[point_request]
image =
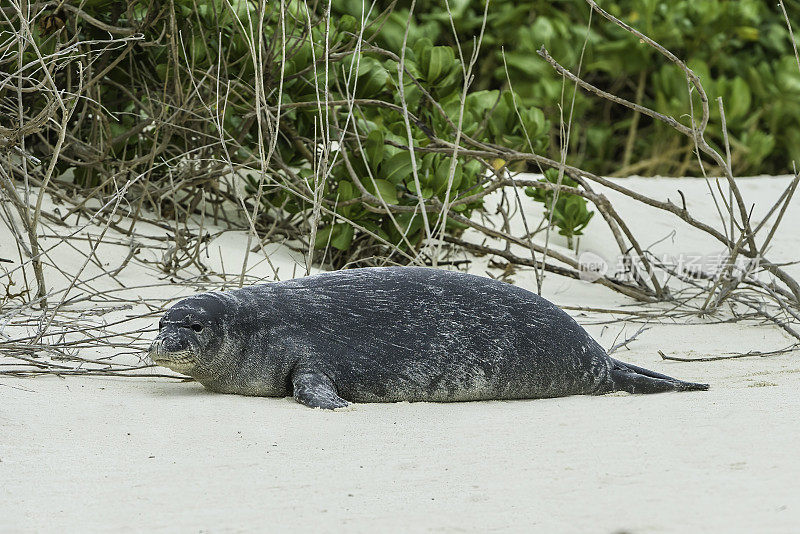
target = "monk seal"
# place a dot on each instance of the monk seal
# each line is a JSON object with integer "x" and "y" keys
{"x": 391, "y": 334}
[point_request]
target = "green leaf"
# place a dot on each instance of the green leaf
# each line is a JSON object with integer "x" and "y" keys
{"x": 396, "y": 168}
{"x": 747, "y": 33}
{"x": 738, "y": 100}
{"x": 342, "y": 236}
{"x": 482, "y": 101}
{"x": 347, "y": 191}
{"x": 442, "y": 176}
{"x": 161, "y": 71}
{"x": 535, "y": 123}
{"x": 386, "y": 190}
{"x": 321, "y": 239}
{"x": 502, "y": 117}
{"x": 348, "y": 23}
{"x": 441, "y": 62}
{"x": 375, "y": 229}
{"x": 372, "y": 77}
{"x": 422, "y": 52}
{"x": 374, "y": 146}
{"x": 409, "y": 223}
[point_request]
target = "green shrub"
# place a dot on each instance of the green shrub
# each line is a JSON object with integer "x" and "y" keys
{"x": 568, "y": 212}
{"x": 196, "y": 98}
{"x": 741, "y": 50}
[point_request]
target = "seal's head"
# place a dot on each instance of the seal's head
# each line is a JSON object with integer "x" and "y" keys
{"x": 190, "y": 335}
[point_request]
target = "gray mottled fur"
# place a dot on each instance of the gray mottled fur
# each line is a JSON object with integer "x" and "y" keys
{"x": 390, "y": 334}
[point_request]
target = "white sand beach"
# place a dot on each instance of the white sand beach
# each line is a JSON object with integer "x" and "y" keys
{"x": 94, "y": 454}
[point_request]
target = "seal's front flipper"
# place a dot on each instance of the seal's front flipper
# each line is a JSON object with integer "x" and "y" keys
{"x": 316, "y": 390}
{"x": 634, "y": 382}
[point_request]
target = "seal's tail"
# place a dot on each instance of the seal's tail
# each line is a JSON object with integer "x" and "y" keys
{"x": 633, "y": 379}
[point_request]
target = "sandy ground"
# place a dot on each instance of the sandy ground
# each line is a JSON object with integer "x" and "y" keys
{"x": 100, "y": 454}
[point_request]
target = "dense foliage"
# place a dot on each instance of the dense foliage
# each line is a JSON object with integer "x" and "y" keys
{"x": 740, "y": 48}
{"x": 201, "y": 85}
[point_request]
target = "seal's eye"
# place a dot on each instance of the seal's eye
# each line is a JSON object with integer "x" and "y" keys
{"x": 197, "y": 327}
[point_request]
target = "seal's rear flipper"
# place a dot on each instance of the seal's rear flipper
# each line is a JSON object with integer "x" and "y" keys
{"x": 633, "y": 381}
{"x": 316, "y": 390}
{"x": 640, "y": 370}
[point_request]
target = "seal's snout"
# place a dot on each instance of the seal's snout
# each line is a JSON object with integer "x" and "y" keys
{"x": 171, "y": 350}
